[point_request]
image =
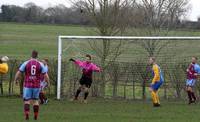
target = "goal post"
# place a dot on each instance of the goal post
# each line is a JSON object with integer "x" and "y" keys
{"x": 130, "y": 38}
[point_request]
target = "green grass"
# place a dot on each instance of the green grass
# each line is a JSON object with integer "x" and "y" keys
{"x": 17, "y": 40}
{"x": 102, "y": 110}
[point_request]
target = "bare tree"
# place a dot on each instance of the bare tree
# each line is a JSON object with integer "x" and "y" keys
{"x": 158, "y": 17}
{"x": 108, "y": 18}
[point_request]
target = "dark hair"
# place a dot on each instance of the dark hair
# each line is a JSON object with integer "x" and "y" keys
{"x": 34, "y": 54}
{"x": 89, "y": 56}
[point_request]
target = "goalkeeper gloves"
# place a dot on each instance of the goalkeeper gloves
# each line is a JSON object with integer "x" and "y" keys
{"x": 71, "y": 59}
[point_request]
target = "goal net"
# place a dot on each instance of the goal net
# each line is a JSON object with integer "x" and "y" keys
{"x": 124, "y": 61}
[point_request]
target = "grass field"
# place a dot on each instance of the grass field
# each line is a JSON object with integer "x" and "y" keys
{"x": 17, "y": 40}
{"x": 101, "y": 110}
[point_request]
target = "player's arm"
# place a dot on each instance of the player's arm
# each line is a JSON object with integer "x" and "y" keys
{"x": 19, "y": 72}
{"x": 45, "y": 73}
{"x": 156, "y": 74}
{"x": 77, "y": 62}
{"x": 46, "y": 78}
{"x": 96, "y": 68}
{"x": 197, "y": 69}
{"x": 17, "y": 77}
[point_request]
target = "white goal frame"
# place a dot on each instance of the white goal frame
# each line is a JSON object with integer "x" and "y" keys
{"x": 111, "y": 38}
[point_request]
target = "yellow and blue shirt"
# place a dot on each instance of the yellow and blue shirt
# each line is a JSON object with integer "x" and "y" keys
{"x": 157, "y": 74}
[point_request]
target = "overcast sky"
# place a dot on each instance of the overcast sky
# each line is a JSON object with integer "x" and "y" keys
{"x": 192, "y": 15}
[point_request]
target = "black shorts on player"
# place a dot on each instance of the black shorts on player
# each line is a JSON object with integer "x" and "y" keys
{"x": 85, "y": 81}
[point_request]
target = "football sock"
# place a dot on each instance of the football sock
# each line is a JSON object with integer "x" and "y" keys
{"x": 153, "y": 95}
{"x": 157, "y": 98}
{"x": 26, "y": 110}
{"x": 36, "y": 111}
{"x": 77, "y": 93}
{"x": 193, "y": 96}
{"x": 86, "y": 95}
{"x": 189, "y": 96}
{"x": 41, "y": 98}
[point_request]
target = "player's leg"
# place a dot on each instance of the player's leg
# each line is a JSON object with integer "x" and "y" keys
{"x": 192, "y": 91}
{"x": 153, "y": 96}
{"x": 35, "y": 98}
{"x": 87, "y": 85}
{"x": 45, "y": 98}
{"x": 154, "y": 93}
{"x": 27, "y": 96}
{"x": 42, "y": 97}
{"x": 78, "y": 91}
{"x": 86, "y": 93}
{"x": 189, "y": 89}
{"x": 157, "y": 97}
{"x": 81, "y": 82}
{"x": 44, "y": 93}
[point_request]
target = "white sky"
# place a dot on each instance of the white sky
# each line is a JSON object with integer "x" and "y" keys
{"x": 192, "y": 15}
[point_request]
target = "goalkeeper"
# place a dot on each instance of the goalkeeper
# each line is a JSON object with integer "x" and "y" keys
{"x": 4, "y": 65}
{"x": 156, "y": 82}
{"x": 86, "y": 80}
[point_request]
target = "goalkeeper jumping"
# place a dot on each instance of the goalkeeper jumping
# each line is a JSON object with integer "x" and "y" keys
{"x": 86, "y": 80}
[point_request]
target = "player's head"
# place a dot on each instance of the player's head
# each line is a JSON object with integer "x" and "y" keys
{"x": 34, "y": 54}
{"x": 194, "y": 59}
{"x": 4, "y": 59}
{"x": 88, "y": 58}
{"x": 45, "y": 61}
{"x": 152, "y": 60}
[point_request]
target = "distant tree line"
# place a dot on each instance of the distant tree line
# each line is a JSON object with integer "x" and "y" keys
{"x": 31, "y": 13}
{"x": 142, "y": 14}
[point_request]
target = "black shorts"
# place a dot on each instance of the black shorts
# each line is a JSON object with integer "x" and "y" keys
{"x": 86, "y": 81}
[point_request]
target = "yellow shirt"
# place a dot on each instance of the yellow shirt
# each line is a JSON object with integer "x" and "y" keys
{"x": 3, "y": 68}
{"x": 156, "y": 73}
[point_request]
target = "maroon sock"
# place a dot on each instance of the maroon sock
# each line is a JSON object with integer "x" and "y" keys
{"x": 41, "y": 98}
{"x": 36, "y": 111}
{"x": 44, "y": 97}
{"x": 189, "y": 96}
{"x": 26, "y": 110}
{"x": 193, "y": 96}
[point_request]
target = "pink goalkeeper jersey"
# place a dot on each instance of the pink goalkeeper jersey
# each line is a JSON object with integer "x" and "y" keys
{"x": 33, "y": 70}
{"x": 87, "y": 68}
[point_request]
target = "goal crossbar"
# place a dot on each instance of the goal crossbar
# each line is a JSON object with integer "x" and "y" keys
{"x": 109, "y": 38}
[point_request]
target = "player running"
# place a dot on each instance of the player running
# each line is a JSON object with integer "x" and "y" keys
{"x": 86, "y": 80}
{"x": 43, "y": 85}
{"x": 156, "y": 82}
{"x": 33, "y": 70}
{"x": 192, "y": 71}
{"x": 4, "y": 65}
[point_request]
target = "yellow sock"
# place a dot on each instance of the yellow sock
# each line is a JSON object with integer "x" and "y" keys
{"x": 157, "y": 98}
{"x": 153, "y": 95}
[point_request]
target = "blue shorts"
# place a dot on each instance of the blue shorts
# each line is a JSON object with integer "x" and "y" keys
{"x": 31, "y": 93}
{"x": 190, "y": 82}
{"x": 156, "y": 85}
